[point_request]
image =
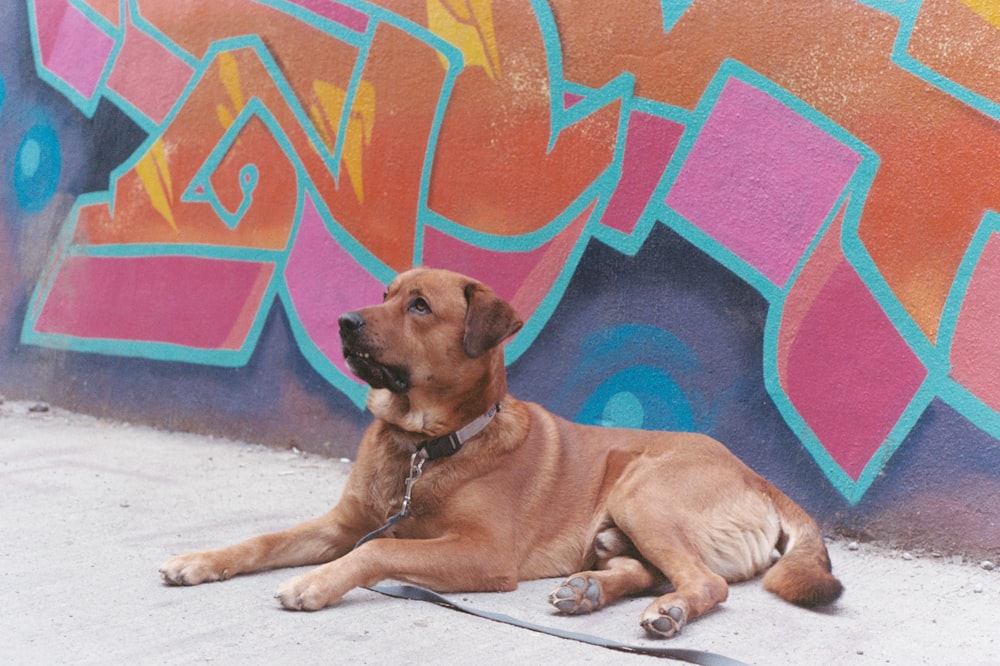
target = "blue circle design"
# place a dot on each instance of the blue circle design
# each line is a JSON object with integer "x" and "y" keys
{"x": 639, "y": 397}
{"x": 625, "y": 410}
{"x": 37, "y": 168}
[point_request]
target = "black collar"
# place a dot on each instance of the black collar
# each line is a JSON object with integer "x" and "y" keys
{"x": 449, "y": 444}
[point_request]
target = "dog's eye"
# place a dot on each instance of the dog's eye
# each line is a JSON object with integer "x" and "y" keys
{"x": 385, "y": 295}
{"x": 420, "y": 306}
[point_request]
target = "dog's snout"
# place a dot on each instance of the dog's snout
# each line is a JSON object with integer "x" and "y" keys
{"x": 351, "y": 322}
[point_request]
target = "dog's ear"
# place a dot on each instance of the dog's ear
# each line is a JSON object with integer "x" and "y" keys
{"x": 489, "y": 320}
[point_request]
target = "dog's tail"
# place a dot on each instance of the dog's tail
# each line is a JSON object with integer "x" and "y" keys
{"x": 803, "y": 574}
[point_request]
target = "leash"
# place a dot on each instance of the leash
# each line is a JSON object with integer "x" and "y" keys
{"x": 442, "y": 447}
{"x": 415, "y": 593}
{"x": 448, "y": 445}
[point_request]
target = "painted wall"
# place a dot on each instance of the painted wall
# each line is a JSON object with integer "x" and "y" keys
{"x": 772, "y": 222}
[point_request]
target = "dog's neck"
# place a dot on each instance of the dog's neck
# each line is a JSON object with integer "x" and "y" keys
{"x": 436, "y": 415}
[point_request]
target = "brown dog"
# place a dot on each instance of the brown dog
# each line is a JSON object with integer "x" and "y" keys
{"x": 529, "y": 495}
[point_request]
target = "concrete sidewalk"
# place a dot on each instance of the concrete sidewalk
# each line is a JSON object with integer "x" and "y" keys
{"x": 89, "y": 509}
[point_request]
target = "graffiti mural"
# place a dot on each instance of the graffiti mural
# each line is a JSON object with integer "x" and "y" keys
{"x": 830, "y": 159}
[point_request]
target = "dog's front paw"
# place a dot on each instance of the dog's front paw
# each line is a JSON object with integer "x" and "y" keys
{"x": 577, "y": 594}
{"x": 192, "y": 569}
{"x": 309, "y": 592}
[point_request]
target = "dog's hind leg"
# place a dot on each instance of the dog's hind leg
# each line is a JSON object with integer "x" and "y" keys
{"x": 697, "y": 589}
{"x": 588, "y": 591}
{"x": 619, "y": 573}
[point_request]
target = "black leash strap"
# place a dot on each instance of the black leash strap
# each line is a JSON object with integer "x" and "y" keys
{"x": 679, "y": 654}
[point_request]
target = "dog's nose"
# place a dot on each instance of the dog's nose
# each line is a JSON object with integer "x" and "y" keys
{"x": 351, "y": 322}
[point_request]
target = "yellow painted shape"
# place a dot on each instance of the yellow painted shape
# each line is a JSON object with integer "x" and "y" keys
{"x": 360, "y": 125}
{"x": 364, "y": 109}
{"x": 988, "y": 9}
{"x": 468, "y": 26}
{"x": 154, "y": 172}
{"x": 229, "y": 72}
{"x": 326, "y": 117}
{"x": 226, "y": 118}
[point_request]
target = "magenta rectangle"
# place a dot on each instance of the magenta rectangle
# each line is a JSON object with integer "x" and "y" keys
{"x": 348, "y": 17}
{"x": 189, "y": 301}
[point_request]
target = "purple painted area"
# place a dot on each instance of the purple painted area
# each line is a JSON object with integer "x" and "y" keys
{"x": 348, "y": 17}
{"x": 975, "y": 350}
{"x": 188, "y": 301}
{"x": 761, "y": 179}
{"x": 72, "y": 47}
{"x": 850, "y": 375}
{"x": 324, "y": 281}
{"x": 649, "y": 145}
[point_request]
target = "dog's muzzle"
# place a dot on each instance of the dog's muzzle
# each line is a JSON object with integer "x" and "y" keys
{"x": 360, "y": 355}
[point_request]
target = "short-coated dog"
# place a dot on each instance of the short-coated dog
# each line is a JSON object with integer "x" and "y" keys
{"x": 508, "y": 491}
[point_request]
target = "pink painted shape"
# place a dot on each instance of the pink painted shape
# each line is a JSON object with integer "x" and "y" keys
{"x": 324, "y": 281}
{"x": 48, "y": 18}
{"x": 148, "y": 75}
{"x": 975, "y": 349}
{"x": 649, "y": 145}
{"x": 571, "y": 99}
{"x": 187, "y": 301}
{"x": 72, "y": 47}
{"x": 850, "y": 375}
{"x": 348, "y": 17}
{"x": 522, "y": 278}
{"x": 503, "y": 271}
{"x": 824, "y": 260}
{"x": 761, "y": 179}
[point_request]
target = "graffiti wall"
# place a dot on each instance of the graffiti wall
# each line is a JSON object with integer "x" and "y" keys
{"x": 771, "y": 222}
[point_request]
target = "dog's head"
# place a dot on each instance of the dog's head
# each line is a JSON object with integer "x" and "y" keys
{"x": 433, "y": 345}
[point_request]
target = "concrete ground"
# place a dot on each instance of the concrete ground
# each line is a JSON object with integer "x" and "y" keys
{"x": 89, "y": 509}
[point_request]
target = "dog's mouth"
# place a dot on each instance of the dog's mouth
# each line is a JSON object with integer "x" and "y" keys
{"x": 377, "y": 375}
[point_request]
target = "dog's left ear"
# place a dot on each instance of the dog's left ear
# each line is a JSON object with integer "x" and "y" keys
{"x": 489, "y": 320}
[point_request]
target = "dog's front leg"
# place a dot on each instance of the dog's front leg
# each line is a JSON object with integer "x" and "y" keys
{"x": 446, "y": 564}
{"x": 313, "y": 542}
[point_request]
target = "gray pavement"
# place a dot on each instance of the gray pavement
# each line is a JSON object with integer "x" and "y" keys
{"x": 89, "y": 509}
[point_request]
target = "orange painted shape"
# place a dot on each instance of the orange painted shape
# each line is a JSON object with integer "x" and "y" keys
{"x": 108, "y": 9}
{"x": 935, "y": 153}
{"x": 960, "y": 43}
{"x": 493, "y": 170}
{"x": 391, "y": 120}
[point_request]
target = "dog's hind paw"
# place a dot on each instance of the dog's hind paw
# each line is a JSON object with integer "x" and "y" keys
{"x": 664, "y": 623}
{"x": 577, "y": 594}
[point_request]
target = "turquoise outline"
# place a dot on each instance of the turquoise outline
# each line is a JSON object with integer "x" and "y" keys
{"x": 934, "y": 357}
{"x": 248, "y": 175}
{"x": 672, "y": 12}
{"x": 953, "y": 393}
{"x": 852, "y": 201}
{"x": 87, "y": 106}
{"x": 140, "y": 349}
